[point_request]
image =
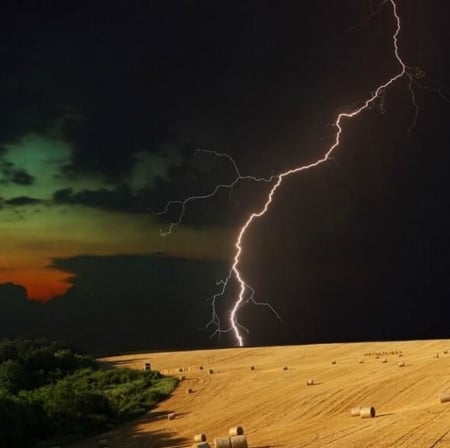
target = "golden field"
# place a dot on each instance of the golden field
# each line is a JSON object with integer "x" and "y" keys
{"x": 276, "y": 407}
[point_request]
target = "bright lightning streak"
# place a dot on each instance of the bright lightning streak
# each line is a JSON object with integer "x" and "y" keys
{"x": 246, "y": 292}
{"x": 338, "y": 124}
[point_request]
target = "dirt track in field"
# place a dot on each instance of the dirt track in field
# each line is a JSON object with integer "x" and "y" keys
{"x": 276, "y": 407}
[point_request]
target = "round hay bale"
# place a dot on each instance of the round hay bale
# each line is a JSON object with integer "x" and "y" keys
{"x": 310, "y": 382}
{"x": 201, "y": 367}
{"x": 210, "y": 371}
{"x": 171, "y": 416}
{"x": 189, "y": 390}
{"x": 361, "y": 361}
{"x": 401, "y": 364}
{"x": 367, "y": 412}
{"x": 252, "y": 367}
{"x": 222, "y": 442}
{"x": 436, "y": 355}
{"x": 333, "y": 362}
{"x": 180, "y": 369}
{"x": 181, "y": 377}
{"x": 285, "y": 368}
{"x": 355, "y": 412}
{"x": 238, "y": 442}
{"x": 384, "y": 361}
{"x": 200, "y": 437}
{"x": 236, "y": 431}
{"x": 445, "y": 397}
{"x": 400, "y": 355}
{"x": 445, "y": 352}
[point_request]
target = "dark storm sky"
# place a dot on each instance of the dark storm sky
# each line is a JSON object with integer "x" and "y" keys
{"x": 102, "y": 107}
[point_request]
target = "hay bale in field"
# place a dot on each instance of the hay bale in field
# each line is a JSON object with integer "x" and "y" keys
{"x": 367, "y": 412}
{"x": 333, "y": 362}
{"x": 400, "y": 355}
{"x": 445, "y": 397}
{"x": 200, "y": 437}
{"x": 222, "y": 442}
{"x": 210, "y": 371}
{"x": 436, "y": 355}
{"x": 252, "y": 367}
{"x": 189, "y": 390}
{"x": 445, "y": 352}
{"x": 180, "y": 369}
{"x": 361, "y": 361}
{"x": 201, "y": 367}
{"x": 401, "y": 364}
{"x": 384, "y": 361}
{"x": 171, "y": 416}
{"x": 181, "y": 377}
{"x": 355, "y": 412}
{"x": 238, "y": 442}
{"x": 236, "y": 431}
{"x": 310, "y": 382}
{"x": 147, "y": 367}
{"x": 285, "y": 368}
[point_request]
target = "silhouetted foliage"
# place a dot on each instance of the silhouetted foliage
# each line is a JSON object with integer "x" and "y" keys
{"x": 47, "y": 389}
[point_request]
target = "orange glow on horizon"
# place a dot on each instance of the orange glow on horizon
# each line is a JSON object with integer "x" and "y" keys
{"x": 42, "y": 284}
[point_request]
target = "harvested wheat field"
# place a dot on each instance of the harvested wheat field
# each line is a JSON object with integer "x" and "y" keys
{"x": 265, "y": 391}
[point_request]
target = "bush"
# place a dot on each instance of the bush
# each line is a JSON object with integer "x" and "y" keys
{"x": 21, "y": 422}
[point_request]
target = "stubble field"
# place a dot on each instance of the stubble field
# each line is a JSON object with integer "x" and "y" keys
{"x": 276, "y": 407}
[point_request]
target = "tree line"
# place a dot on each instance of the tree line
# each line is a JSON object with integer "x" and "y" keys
{"x": 50, "y": 391}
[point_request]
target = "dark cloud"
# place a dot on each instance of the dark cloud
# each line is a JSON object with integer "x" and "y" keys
{"x": 240, "y": 78}
{"x": 125, "y": 303}
{"x": 13, "y": 294}
{"x": 18, "y": 313}
{"x": 119, "y": 198}
{"x": 220, "y": 73}
{"x": 22, "y": 200}
{"x": 21, "y": 177}
{"x": 56, "y": 65}
{"x": 12, "y": 174}
{"x": 199, "y": 173}
{"x": 121, "y": 303}
{"x": 191, "y": 175}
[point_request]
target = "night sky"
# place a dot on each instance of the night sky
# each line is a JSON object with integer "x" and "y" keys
{"x": 102, "y": 108}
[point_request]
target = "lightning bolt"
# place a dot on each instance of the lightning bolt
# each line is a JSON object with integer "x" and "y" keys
{"x": 246, "y": 292}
